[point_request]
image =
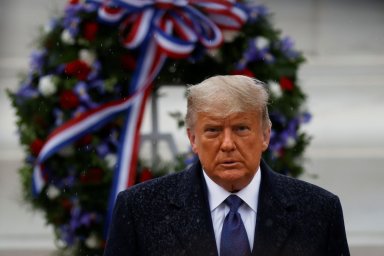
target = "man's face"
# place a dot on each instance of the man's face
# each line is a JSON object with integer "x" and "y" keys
{"x": 230, "y": 147}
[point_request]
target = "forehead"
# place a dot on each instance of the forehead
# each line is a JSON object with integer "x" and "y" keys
{"x": 247, "y": 116}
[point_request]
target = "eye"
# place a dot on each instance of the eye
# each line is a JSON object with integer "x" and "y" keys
{"x": 242, "y": 129}
{"x": 211, "y": 131}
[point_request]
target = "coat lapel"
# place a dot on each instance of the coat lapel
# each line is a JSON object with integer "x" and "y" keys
{"x": 275, "y": 215}
{"x": 191, "y": 218}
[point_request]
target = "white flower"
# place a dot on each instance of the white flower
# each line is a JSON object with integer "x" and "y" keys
{"x": 87, "y": 56}
{"x": 275, "y": 89}
{"x": 92, "y": 241}
{"x": 230, "y": 35}
{"x": 261, "y": 42}
{"x": 290, "y": 142}
{"x": 46, "y": 85}
{"x": 66, "y": 37}
{"x": 52, "y": 192}
{"x": 111, "y": 160}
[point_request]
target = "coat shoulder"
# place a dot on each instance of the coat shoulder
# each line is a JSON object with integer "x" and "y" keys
{"x": 308, "y": 197}
{"x": 156, "y": 187}
{"x": 300, "y": 187}
{"x": 172, "y": 188}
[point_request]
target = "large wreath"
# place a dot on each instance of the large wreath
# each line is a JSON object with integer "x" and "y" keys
{"x": 109, "y": 57}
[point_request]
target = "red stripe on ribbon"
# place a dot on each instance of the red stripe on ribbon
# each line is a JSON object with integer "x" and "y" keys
{"x": 135, "y": 152}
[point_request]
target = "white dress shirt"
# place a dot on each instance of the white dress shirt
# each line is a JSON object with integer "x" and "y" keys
{"x": 248, "y": 210}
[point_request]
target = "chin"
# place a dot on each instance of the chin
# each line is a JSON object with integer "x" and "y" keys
{"x": 233, "y": 175}
{"x": 234, "y": 182}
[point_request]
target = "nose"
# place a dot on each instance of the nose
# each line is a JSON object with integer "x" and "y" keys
{"x": 227, "y": 143}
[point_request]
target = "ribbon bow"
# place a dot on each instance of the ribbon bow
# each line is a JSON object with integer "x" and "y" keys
{"x": 188, "y": 23}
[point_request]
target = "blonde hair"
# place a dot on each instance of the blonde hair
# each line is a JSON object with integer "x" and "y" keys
{"x": 230, "y": 94}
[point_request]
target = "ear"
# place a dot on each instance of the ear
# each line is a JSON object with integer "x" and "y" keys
{"x": 266, "y": 137}
{"x": 192, "y": 140}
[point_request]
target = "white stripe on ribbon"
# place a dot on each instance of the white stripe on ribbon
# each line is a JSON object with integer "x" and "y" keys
{"x": 240, "y": 13}
{"x": 144, "y": 3}
{"x": 186, "y": 31}
{"x": 206, "y": 27}
{"x": 127, "y": 147}
{"x": 172, "y": 47}
{"x": 37, "y": 180}
{"x": 142, "y": 25}
{"x": 135, "y": 3}
{"x": 223, "y": 21}
{"x": 110, "y": 17}
{"x": 213, "y": 6}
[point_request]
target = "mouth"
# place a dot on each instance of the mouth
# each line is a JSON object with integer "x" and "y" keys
{"x": 228, "y": 164}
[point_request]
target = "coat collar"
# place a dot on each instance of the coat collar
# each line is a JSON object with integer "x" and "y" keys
{"x": 276, "y": 211}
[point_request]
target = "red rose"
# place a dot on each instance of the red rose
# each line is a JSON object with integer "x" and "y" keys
{"x": 90, "y": 31}
{"x": 128, "y": 62}
{"x": 286, "y": 84}
{"x": 92, "y": 176}
{"x": 73, "y": 1}
{"x": 36, "y": 146}
{"x": 244, "y": 72}
{"x": 146, "y": 174}
{"x": 68, "y": 100}
{"x": 78, "y": 68}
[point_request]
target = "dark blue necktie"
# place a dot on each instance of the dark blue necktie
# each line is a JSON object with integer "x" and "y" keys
{"x": 234, "y": 239}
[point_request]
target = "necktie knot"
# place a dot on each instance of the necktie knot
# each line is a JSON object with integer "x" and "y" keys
{"x": 234, "y": 202}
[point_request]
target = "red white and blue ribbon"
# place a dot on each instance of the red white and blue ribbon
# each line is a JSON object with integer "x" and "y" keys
{"x": 158, "y": 29}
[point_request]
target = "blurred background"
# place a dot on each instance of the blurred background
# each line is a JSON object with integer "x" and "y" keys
{"x": 343, "y": 41}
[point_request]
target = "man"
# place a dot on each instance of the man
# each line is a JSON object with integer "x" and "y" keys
{"x": 229, "y": 202}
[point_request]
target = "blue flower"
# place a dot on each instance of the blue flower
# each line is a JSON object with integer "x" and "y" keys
{"x": 37, "y": 61}
{"x": 103, "y": 149}
{"x": 81, "y": 90}
{"x": 26, "y": 91}
{"x": 286, "y": 46}
{"x": 96, "y": 68}
{"x": 258, "y": 50}
{"x": 71, "y": 24}
{"x": 256, "y": 11}
{"x": 59, "y": 116}
{"x": 305, "y": 117}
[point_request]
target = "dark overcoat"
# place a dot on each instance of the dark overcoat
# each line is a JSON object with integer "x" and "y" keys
{"x": 170, "y": 216}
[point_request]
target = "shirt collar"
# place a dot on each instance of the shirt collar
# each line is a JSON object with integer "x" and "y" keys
{"x": 249, "y": 194}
